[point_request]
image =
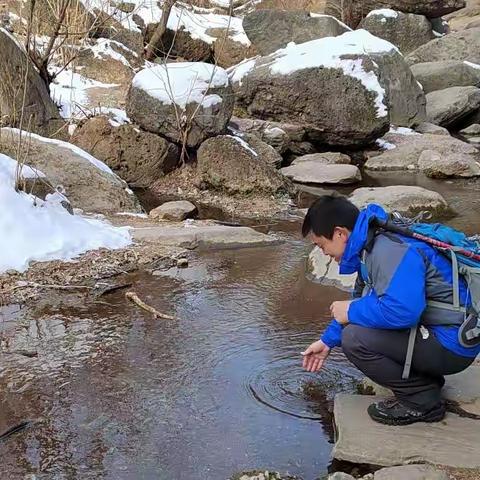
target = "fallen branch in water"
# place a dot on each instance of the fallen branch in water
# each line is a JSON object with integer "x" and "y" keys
{"x": 133, "y": 297}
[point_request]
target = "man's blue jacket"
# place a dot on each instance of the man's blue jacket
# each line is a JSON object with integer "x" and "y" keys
{"x": 396, "y": 276}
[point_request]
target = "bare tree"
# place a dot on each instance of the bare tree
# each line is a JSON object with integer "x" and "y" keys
{"x": 155, "y": 41}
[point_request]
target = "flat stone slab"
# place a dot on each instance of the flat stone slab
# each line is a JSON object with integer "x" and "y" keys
{"x": 462, "y": 388}
{"x": 452, "y": 442}
{"x": 208, "y": 236}
{"x": 320, "y": 173}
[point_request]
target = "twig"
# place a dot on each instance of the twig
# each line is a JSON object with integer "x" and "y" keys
{"x": 21, "y": 284}
{"x": 133, "y": 297}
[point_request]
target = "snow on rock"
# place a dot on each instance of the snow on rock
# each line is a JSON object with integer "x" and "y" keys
{"x": 103, "y": 48}
{"x": 69, "y": 90}
{"x": 180, "y": 18}
{"x": 182, "y": 83}
{"x": 329, "y": 52}
{"x": 245, "y": 145}
{"x": 100, "y": 165}
{"x": 384, "y": 12}
{"x": 34, "y": 230}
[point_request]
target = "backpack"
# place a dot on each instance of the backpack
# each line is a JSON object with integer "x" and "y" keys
{"x": 464, "y": 254}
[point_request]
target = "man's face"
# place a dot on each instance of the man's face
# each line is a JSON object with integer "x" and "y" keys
{"x": 335, "y": 246}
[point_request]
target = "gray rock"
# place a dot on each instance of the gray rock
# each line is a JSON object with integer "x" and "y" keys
{"x": 464, "y": 389}
{"x": 408, "y": 200}
{"x": 270, "y": 30}
{"x": 178, "y": 210}
{"x": 204, "y": 236}
{"x": 88, "y": 187}
{"x": 324, "y": 270}
{"x": 346, "y": 113}
{"x": 409, "y": 148}
{"x": 358, "y": 9}
{"x": 162, "y": 116}
{"x": 325, "y": 158}
{"x": 433, "y": 165}
{"x": 361, "y": 440}
{"x": 32, "y": 102}
{"x": 432, "y": 129}
{"x": 472, "y": 130}
{"x": 449, "y": 73}
{"x": 230, "y": 164}
{"x": 227, "y": 51}
{"x": 406, "y": 31}
{"x": 138, "y": 157}
{"x": 410, "y": 472}
{"x": 451, "y": 105}
{"x": 465, "y": 18}
{"x": 314, "y": 172}
{"x": 464, "y": 45}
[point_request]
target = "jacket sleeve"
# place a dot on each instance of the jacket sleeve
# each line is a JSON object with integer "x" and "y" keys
{"x": 397, "y": 297}
{"x": 332, "y": 337}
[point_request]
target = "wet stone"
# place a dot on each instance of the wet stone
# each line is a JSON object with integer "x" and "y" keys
{"x": 361, "y": 440}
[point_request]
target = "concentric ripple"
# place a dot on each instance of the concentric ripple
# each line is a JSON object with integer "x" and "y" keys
{"x": 283, "y": 385}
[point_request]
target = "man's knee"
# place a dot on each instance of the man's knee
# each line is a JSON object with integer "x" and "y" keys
{"x": 351, "y": 339}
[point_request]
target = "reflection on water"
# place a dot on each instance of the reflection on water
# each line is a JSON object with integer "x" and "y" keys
{"x": 116, "y": 394}
{"x": 112, "y": 393}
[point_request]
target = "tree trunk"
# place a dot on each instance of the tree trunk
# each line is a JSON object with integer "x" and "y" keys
{"x": 151, "y": 48}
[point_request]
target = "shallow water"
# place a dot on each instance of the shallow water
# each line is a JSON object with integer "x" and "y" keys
{"x": 114, "y": 394}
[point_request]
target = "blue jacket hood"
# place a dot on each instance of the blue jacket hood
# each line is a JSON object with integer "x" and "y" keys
{"x": 350, "y": 262}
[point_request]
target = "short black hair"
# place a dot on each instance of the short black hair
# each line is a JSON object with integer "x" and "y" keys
{"x": 328, "y": 212}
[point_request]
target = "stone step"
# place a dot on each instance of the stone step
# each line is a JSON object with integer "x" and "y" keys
{"x": 206, "y": 236}
{"x": 453, "y": 442}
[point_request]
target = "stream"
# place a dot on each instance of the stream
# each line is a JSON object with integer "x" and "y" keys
{"x": 111, "y": 393}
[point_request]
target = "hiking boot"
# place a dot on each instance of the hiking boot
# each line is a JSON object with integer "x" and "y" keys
{"x": 393, "y": 412}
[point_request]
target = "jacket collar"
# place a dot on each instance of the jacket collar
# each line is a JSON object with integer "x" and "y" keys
{"x": 350, "y": 262}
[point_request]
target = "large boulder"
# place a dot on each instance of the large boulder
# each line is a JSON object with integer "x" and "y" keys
{"x": 406, "y": 31}
{"x": 89, "y": 183}
{"x": 352, "y": 11}
{"x": 440, "y": 75}
{"x": 178, "y": 210}
{"x": 185, "y": 102}
{"x": 407, "y": 200}
{"x": 228, "y": 163}
{"x": 23, "y": 94}
{"x": 319, "y": 173}
{"x": 433, "y": 165}
{"x": 409, "y": 148}
{"x": 449, "y": 106}
{"x": 305, "y": 5}
{"x": 468, "y": 17}
{"x": 136, "y": 156}
{"x": 464, "y": 45}
{"x": 426, "y": 127}
{"x": 353, "y": 73}
{"x": 270, "y": 30}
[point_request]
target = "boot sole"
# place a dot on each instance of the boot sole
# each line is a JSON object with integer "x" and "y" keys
{"x": 430, "y": 417}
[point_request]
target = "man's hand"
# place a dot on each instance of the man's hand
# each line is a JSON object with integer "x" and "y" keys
{"x": 314, "y": 356}
{"x": 339, "y": 311}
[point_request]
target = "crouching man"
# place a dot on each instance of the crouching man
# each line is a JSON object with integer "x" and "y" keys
{"x": 397, "y": 276}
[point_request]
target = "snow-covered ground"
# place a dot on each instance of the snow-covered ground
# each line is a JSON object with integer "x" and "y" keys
{"x": 37, "y": 230}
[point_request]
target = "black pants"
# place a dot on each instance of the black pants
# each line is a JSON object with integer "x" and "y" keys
{"x": 380, "y": 355}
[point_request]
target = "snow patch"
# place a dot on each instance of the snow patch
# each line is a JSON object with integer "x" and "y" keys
{"x": 402, "y": 130}
{"x": 182, "y": 83}
{"x": 9, "y": 167}
{"x": 244, "y": 144}
{"x": 103, "y": 48}
{"x": 34, "y": 230}
{"x": 473, "y": 65}
{"x": 384, "y": 12}
{"x": 69, "y": 90}
{"x": 237, "y": 72}
{"x": 384, "y": 145}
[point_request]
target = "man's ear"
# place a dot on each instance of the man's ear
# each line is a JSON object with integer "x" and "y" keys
{"x": 342, "y": 232}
